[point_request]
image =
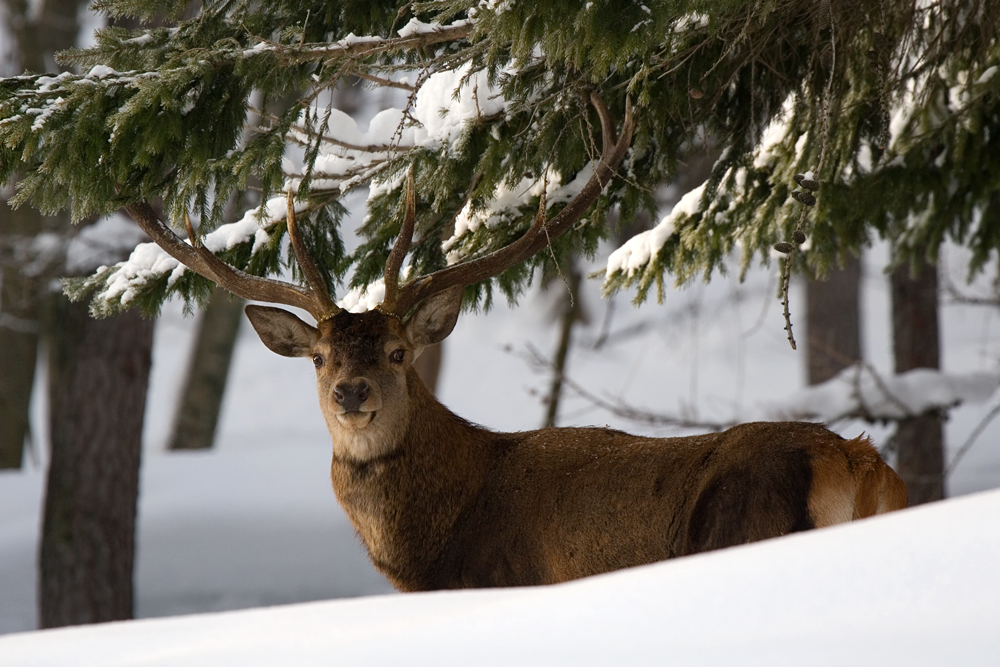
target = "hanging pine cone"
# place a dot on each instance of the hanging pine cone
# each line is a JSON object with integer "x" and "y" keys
{"x": 798, "y": 237}
{"x": 784, "y": 247}
{"x": 803, "y": 198}
{"x": 807, "y": 181}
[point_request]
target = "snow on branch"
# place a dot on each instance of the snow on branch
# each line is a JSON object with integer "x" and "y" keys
{"x": 859, "y": 392}
{"x": 410, "y": 37}
{"x": 636, "y": 261}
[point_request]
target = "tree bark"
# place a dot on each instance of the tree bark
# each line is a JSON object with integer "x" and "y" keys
{"x": 17, "y": 375}
{"x": 571, "y": 314}
{"x": 99, "y": 372}
{"x": 54, "y": 29}
{"x": 919, "y": 439}
{"x": 833, "y": 322}
{"x": 18, "y": 337}
{"x": 200, "y": 403}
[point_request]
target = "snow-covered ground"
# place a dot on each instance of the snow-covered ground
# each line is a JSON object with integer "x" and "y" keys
{"x": 255, "y": 523}
{"x": 918, "y": 587}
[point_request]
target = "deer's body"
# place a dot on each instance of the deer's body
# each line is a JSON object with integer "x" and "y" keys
{"x": 454, "y": 505}
{"x": 442, "y": 503}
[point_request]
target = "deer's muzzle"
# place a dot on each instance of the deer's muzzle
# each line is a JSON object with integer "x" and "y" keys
{"x": 350, "y": 396}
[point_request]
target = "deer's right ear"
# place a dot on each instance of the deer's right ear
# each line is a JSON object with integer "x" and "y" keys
{"x": 281, "y": 331}
{"x": 435, "y": 317}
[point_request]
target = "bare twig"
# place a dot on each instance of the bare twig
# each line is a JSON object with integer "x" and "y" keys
{"x": 622, "y": 409}
{"x": 971, "y": 440}
{"x": 786, "y": 277}
{"x": 385, "y": 83}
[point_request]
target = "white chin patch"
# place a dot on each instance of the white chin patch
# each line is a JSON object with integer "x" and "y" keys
{"x": 355, "y": 420}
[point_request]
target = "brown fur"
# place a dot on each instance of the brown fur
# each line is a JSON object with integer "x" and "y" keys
{"x": 442, "y": 503}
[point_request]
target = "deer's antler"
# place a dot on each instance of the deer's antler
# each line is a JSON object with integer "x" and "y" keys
{"x": 467, "y": 273}
{"x": 316, "y": 299}
{"x": 400, "y": 248}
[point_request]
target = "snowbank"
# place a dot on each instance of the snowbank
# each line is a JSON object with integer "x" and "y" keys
{"x": 918, "y": 587}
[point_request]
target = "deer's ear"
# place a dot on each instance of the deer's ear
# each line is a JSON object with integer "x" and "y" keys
{"x": 281, "y": 331}
{"x": 435, "y": 317}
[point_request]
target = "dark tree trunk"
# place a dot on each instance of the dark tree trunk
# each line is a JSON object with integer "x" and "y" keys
{"x": 99, "y": 371}
{"x": 571, "y": 314}
{"x": 18, "y": 338}
{"x": 17, "y": 375}
{"x": 201, "y": 399}
{"x": 919, "y": 439}
{"x": 54, "y": 29}
{"x": 833, "y": 322}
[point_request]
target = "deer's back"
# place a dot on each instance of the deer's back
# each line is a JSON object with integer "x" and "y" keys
{"x": 566, "y": 503}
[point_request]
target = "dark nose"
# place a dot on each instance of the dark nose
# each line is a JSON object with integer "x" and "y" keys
{"x": 350, "y": 395}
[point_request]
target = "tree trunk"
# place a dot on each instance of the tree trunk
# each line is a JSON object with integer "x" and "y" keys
{"x": 833, "y": 322}
{"x": 201, "y": 399}
{"x": 919, "y": 439}
{"x": 54, "y": 27}
{"x": 17, "y": 375}
{"x": 571, "y": 314}
{"x": 18, "y": 342}
{"x": 99, "y": 371}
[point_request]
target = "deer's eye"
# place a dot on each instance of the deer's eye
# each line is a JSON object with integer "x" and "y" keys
{"x": 397, "y": 356}
{"x": 318, "y": 360}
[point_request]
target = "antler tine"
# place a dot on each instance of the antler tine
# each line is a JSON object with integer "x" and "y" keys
{"x": 614, "y": 148}
{"x": 325, "y": 305}
{"x": 399, "y": 249}
{"x": 204, "y": 263}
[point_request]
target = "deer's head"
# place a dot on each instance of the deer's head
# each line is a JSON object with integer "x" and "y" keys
{"x": 363, "y": 363}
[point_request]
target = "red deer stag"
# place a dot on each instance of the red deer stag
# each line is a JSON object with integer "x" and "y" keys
{"x": 442, "y": 503}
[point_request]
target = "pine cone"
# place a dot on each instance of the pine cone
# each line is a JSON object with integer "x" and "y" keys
{"x": 784, "y": 247}
{"x": 807, "y": 183}
{"x": 803, "y": 198}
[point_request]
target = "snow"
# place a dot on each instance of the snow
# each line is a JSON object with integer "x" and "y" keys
{"x": 507, "y": 201}
{"x": 146, "y": 263}
{"x": 860, "y": 391}
{"x": 919, "y": 587}
{"x": 360, "y": 300}
{"x": 141, "y": 40}
{"x": 416, "y": 27}
{"x": 641, "y": 248}
{"x": 448, "y": 100}
{"x": 43, "y": 114}
{"x": 100, "y": 72}
{"x": 774, "y": 135}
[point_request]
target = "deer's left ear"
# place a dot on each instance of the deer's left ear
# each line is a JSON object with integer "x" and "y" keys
{"x": 435, "y": 317}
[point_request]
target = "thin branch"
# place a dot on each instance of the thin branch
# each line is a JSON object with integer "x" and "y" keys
{"x": 625, "y": 411}
{"x": 361, "y": 47}
{"x": 971, "y": 440}
{"x": 327, "y": 139}
{"x": 385, "y": 83}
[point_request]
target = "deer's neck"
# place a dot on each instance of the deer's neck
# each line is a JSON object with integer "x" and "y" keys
{"x": 405, "y": 501}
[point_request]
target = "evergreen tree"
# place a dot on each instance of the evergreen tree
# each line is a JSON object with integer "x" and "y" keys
{"x": 890, "y": 109}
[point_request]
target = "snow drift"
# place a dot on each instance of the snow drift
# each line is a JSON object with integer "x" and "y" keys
{"x": 918, "y": 587}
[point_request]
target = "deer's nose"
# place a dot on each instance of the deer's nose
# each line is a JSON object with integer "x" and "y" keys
{"x": 351, "y": 395}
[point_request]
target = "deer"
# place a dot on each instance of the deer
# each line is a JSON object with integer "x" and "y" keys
{"x": 442, "y": 503}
